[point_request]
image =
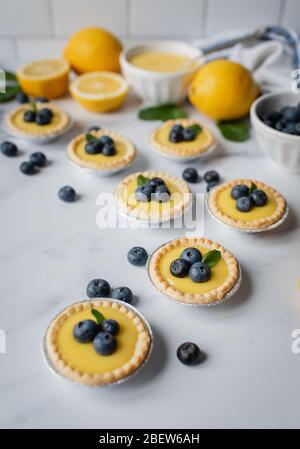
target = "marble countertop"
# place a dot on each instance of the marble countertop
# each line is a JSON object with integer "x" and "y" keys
{"x": 50, "y": 250}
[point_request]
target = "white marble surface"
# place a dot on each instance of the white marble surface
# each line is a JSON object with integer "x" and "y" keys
{"x": 49, "y": 252}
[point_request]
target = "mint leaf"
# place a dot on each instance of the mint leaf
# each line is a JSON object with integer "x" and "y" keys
{"x": 236, "y": 131}
{"x": 33, "y": 106}
{"x": 142, "y": 180}
{"x": 211, "y": 258}
{"x": 12, "y": 87}
{"x": 162, "y": 112}
{"x": 90, "y": 138}
{"x": 98, "y": 315}
{"x": 196, "y": 128}
{"x": 252, "y": 187}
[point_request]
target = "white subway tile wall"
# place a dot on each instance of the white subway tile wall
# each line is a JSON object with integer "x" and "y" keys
{"x": 32, "y": 28}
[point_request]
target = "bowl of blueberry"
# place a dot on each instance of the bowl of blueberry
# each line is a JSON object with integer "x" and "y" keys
{"x": 275, "y": 119}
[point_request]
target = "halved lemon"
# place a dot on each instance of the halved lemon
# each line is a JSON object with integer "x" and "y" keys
{"x": 99, "y": 91}
{"x": 46, "y": 78}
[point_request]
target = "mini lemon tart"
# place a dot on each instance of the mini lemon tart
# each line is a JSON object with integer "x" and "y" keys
{"x": 79, "y": 361}
{"x": 120, "y": 155}
{"x": 39, "y": 125}
{"x": 219, "y": 280}
{"x": 153, "y": 196}
{"x": 182, "y": 139}
{"x": 247, "y": 210}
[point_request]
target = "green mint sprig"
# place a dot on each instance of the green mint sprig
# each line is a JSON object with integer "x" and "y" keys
{"x": 196, "y": 128}
{"x": 142, "y": 180}
{"x": 211, "y": 258}
{"x": 236, "y": 131}
{"x": 252, "y": 187}
{"x": 98, "y": 315}
{"x": 90, "y": 138}
{"x": 162, "y": 112}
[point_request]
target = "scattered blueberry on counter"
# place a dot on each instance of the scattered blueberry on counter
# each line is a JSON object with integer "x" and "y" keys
{"x": 211, "y": 185}
{"x": 38, "y": 159}
{"x": 286, "y": 120}
{"x": 191, "y": 175}
{"x": 42, "y": 99}
{"x": 98, "y": 288}
{"x": 211, "y": 176}
{"x": 67, "y": 194}
{"x": 9, "y": 149}
{"x": 122, "y": 294}
{"x": 189, "y": 353}
{"x": 22, "y": 98}
{"x": 28, "y": 168}
{"x": 137, "y": 256}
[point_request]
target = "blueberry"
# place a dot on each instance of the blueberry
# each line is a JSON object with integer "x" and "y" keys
{"x": 67, "y": 194}
{"x": 94, "y": 128}
{"x": 105, "y": 139}
{"x": 190, "y": 175}
{"x": 244, "y": 203}
{"x": 211, "y": 176}
{"x": 105, "y": 343}
{"x": 111, "y": 326}
{"x": 280, "y": 125}
{"x": 273, "y": 116}
{"x": 22, "y": 98}
{"x": 98, "y": 288}
{"x": 269, "y": 123}
{"x": 42, "y": 100}
{"x": 38, "y": 159}
{"x": 239, "y": 190}
{"x": 188, "y": 135}
{"x": 297, "y": 129}
{"x": 211, "y": 185}
{"x": 46, "y": 111}
{"x": 42, "y": 119}
{"x": 189, "y": 353}
{"x": 29, "y": 116}
{"x": 85, "y": 331}
{"x": 290, "y": 114}
{"x": 179, "y": 268}
{"x": 108, "y": 149}
{"x": 9, "y": 149}
{"x": 177, "y": 128}
{"x": 154, "y": 182}
{"x": 191, "y": 255}
{"x": 200, "y": 272}
{"x": 259, "y": 197}
{"x": 28, "y": 168}
{"x": 175, "y": 136}
{"x": 161, "y": 194}
{"x": 143, "y": 194}
{"x": 137, "y": 256}
{"x": 290, "y": 128}
{"x": 93, "y": 147}
{"x": 122, "y": 294}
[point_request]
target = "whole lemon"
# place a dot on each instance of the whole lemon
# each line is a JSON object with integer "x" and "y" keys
{"x": 93, "y": 49}
{"x": 223, "y": 90}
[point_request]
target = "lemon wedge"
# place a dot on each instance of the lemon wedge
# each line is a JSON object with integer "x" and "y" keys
{"x": 99, "y": 91}
{"x": 47, "y": 78}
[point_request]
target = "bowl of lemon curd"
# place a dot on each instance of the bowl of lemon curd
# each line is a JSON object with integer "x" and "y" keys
{"x": 160, "y": 72}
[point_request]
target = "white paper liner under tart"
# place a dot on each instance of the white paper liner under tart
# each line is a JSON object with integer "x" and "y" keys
{"x": 54, "y": 371}
{"x": 227, "y": 295}
{"x": 245, "y": 230}
{"x": 40, "y": 139}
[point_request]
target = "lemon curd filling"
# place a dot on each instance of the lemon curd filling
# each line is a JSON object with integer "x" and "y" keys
{"x": 201, "y": 139}
{"x": 159, "y": 61}
{"x": 154, "y": 206}
{"x": 227, "y": 205}
{"x": 20, "y": 123}
{"x": 219, "y": 273}
{"x": 83, "y": 357}
{"x": 82, "y": 154}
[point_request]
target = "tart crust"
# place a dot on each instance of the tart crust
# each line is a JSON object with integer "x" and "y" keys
{"x": 141, "y": 352}
{"x": 39, "y": 131}
{"x": 181, "y": 150}
{"x": 210, "y": 297}
{"x": 251, "y": 224}
{"x": 121, "y": 196}
{"x": 109, "y": 163}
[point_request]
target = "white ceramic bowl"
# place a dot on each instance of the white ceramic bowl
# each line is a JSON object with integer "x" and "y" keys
{"x": 283, "y": 149}
{"x": 157, "y": 87}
